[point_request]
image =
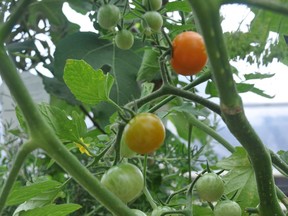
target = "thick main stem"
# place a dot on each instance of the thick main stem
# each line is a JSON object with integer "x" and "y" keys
{"x": 207, "y": 13}
{"x": 43, "y": 136}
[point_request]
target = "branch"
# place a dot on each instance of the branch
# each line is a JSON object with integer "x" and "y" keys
{"x": 6, "y": 28}
{"x": 24, "y": 150}
{"x": 273, "y": 6}
{"x": 208, "y": 18}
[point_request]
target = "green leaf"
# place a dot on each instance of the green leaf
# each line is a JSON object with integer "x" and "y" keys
{"x": 41, "y": 200}
{"x": 260, "y": 92}
{"x": 211, "y": 89}
{"x": 22, "y": 194}
{"x": 240, "y": 179}
{"x": 189, "y": 109}
{"x": 150, "y": 69}
{"x": 244, "y": 87}
{"x": 178, "y": 6}
{"x": 67, "y": 129}
{"x": 52, "y": 210}
{"x": 257, "y": 76}
{"x": 283, "y": 155}
{"x": 99, "y": 53}
{"x": 180, "y": 118}
{"x": 88, "y": 85}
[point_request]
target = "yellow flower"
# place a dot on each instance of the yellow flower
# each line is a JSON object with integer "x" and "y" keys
{"x": 82, "y": 149}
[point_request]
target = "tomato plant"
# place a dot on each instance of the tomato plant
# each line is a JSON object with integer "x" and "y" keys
{"x": 210, "y": 187}
{"x": 124, "y": 180}
{"x": 152, "y": 20}
{"x": 188, "y": 53}
{"x": 227, "y": 207}
{"x": 144, "y": 133}
{"x": 152, "y": 4}
{"x": 124, "y": 39}
{"x": 108, "y": 16}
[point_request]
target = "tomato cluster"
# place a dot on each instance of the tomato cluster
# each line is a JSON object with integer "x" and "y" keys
{"x": 109, "y": 16}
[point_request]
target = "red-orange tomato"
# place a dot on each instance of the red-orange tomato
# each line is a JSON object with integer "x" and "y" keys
{"x": 144, "y": 133}
{"x": 189, "y": 53}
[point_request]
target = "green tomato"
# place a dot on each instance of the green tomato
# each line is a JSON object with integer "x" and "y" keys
{"x": 227, "y": 208}
{"x": 152, "y": 20}
{"x": 108, "y": 16}
{"x": 124, "y": 39}
{"x": 161, "y": 209}
{"x": 152, "y": 4}
{"x": 125, "y": 181}
{"x": 210, "y": 187}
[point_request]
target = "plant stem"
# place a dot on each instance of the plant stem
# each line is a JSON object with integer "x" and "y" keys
{"x": 279, "y": 164}
{"x": 6, "y": 28}
{"x": 24, "y": 150}
{"x": 195, "y": 122}
{"x": 145, "y": 189}
{"x": 207, "y": 14}
{"x": 277, "y": 7}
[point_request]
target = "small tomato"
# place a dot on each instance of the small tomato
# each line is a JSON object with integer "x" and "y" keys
{"x": 144, "y": 133}
{"x": 124, "y": 180}
{"x": 108, "y": 16}
{"x": 210, "y": 187}
{"x": 188, "y": 53}
{"x": 152, "y": 20}
{"x": 152, "y": 4}
{"x": 227, "y": 208}
{"x": 124, "y": 39}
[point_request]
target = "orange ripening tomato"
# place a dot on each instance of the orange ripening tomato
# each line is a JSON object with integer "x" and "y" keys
{"x": 144, "y": 133}
{"x": 188, "y": 53}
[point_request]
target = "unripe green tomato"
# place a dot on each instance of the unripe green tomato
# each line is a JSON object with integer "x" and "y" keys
{"x": 210, "y": 187}
{"x": 125, "y": 181}
{"x": 124, "y": 39}
{"x": 227, "y": 208}
{"x": 152, "y": 20}
{"x": 108, "y": 16}
{"x": 154, "y": 4}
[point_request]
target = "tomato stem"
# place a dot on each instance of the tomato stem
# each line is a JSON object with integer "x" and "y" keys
{"x": 145, "y": 189}
{"x": 22, "y": 153}
{"x": 8, "y": 25}
{"x": 207, "y": 15}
